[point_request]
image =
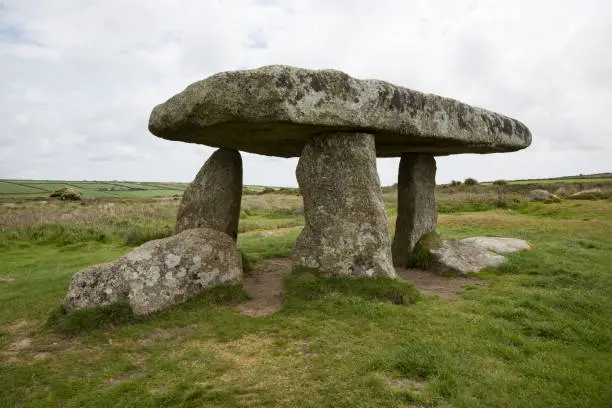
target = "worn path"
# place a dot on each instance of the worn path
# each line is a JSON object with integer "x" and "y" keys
{"x": 265, "y": 285}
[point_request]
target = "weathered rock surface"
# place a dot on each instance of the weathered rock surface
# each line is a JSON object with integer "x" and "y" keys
{"x": 586, "y": 193}
{"x": 475, "y": 254}
{"x": 416, "y": 204}
{"x": 541, "y": 195}
{"x": 499, "y": 244}
{"x": 96, "y": 286}
{"x": 346, "y": 231}
{"x": 160, "y": 273}
{"x": 274, "y": 110}
{"x": 212, "y": 200}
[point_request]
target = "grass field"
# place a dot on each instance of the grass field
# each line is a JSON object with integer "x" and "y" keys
{"x": 38, "y": 189}
{"x": 568, "y": 180}
{"x": 538, "y": 335}
{"x": 89, "y": 189}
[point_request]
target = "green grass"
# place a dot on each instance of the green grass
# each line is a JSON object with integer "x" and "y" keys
{"x": 14, "y": 188}
{"x": 168, "y": 186}
{"x": 148, "y": 193}
{"x": 138, "y": 186}
{"x": 540, "y": 335}
{"x": 49, "y": 186}
{"x": 90, "y": 189}
{"x": 91, "y": 185}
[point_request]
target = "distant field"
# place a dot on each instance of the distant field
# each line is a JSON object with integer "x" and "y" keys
{"x": 97, "y": 189}
{"x": 576, "y": 180}
{"x": 561, "y": 180}
{"x": 132, "y": 189}
{"x": 90, "y": 189}
{"x": 12, "y": 188}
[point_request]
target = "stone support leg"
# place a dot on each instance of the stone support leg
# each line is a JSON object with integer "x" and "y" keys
{"x": 212, "y": 200}
{"x": 416, "y": 203}
{"x": 346, "y": 231}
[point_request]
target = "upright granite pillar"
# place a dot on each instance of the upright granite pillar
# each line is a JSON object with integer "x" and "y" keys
{"x": 346, "y": 231}
{"x": 212, "y": 200}
{"x": 416, "y": 203}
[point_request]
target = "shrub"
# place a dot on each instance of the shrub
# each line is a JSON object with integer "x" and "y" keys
{"x": 501, "y": 189}
{"x": 455, "y": 183}
{"x": 267, "y": 190}
{"x": 67, "y": 193}
{"x": 470, "y": 181}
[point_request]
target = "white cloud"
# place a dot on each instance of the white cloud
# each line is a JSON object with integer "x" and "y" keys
{"x": 80, "y": 77}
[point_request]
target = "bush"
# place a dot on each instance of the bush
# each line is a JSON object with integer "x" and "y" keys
{"x": 470, "y": 181}
{"x": 501, "y": 190}
{"x": 267, "y": 190}
{"x": 455, "y": 183}
{"x": 67, "y": 193}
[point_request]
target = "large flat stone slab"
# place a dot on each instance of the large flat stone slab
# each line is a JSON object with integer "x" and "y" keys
{"x": 159, "y": 273}
{"x": 275, "y": 109}
{"x": 499, "y": 244}
{"x": 476, "y": 253}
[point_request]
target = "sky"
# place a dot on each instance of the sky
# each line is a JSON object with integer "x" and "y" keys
{"x": 78, "y": 78}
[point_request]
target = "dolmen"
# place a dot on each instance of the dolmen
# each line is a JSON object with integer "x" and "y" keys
{"x": 337, "y": 126}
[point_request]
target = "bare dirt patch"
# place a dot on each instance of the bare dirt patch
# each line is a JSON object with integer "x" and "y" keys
{"x": 20, "y": 345}
{"x": 265, "y": 287}
{"x": 17, "y": 327}
{"x": 432, "y": 284}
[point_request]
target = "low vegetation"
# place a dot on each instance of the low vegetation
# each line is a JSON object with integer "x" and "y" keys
{"x": 539, "y": 334}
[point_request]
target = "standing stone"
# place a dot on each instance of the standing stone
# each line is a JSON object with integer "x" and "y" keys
{"x": 212, "y": 200}
{"x": 416, "y": 204}
{"x": 346, "y": 230}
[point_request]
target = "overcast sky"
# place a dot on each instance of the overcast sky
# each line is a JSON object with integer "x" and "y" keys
{"x": 78, "y": 78}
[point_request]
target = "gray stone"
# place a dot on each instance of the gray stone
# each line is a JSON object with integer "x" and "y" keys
{"x": 160, "y": 273}
{"x": 275, "y": 110}
{"x": 475, "y": 254}
{"x": 541, "y": 195}
{"x": 168, "y": 271}
{"x": 465, "y": 257}
{"x": 499, "y": 244}
{"x": 587, "y": 193}
{"x": 346, "y": 228}
{"x": 96, "y": 286}
{"x": 212, "y": 200}
{"x": 416, "y": 204}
